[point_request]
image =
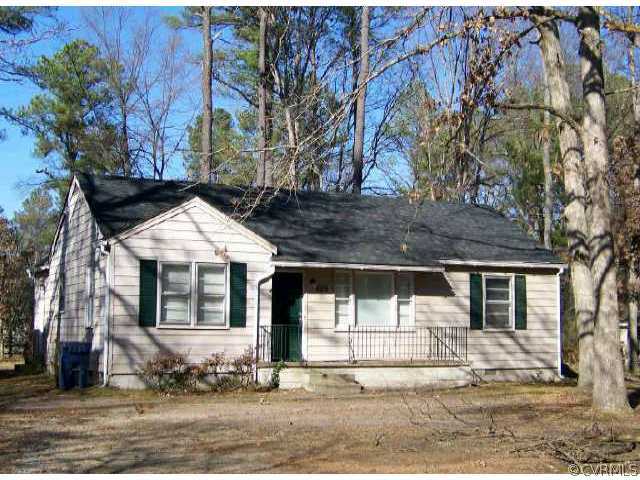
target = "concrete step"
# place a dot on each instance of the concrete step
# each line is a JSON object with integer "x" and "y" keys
{"x": 330, "y": 383}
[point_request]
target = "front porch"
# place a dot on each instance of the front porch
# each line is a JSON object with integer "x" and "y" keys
{"x": 368, "y": 346}
{"x": 378, "y": 358}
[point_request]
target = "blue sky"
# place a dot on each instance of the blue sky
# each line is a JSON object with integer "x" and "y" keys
{"x": 18, "y": 165}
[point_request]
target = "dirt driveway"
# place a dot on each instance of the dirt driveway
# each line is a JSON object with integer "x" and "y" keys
{"x": 473, "y": 429}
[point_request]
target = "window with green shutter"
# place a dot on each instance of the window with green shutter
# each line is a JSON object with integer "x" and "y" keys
{"x": 148, "y": 292}
{"x": 238, "y": 295}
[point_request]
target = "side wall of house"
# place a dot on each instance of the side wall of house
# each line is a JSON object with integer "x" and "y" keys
{"x": 72, "y": 255}
{"x": 443, "y": 300}
{"x": 190, "y": 235}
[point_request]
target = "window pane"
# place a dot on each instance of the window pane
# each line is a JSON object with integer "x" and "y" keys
{"x": 211, "y": 311}
{"x": 373, "y": 297}
{"x": 404, "y": 312}
{"x": 175, "y": 309}
{"x": 211, "y": 292}
{"x": 497, "y": 289}
{"x": 211, "y": 279}
{"x": 343, "y": 311}
{"x": 498, "y": 315}
{"x": 343, "y": 285}
{"x": 176, "y": 278}
{"x": 403, "y": 286}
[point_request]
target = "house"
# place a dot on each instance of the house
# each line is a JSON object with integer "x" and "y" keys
{"x": 387, "y": 291}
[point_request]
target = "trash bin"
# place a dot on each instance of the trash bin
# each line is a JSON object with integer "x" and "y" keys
{"x": 74, "y": 365}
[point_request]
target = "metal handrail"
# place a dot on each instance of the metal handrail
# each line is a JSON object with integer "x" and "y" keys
{"x": 439, "y": 344}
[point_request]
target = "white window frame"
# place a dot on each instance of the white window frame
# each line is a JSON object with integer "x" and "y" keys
{"x": 512, "y": 322}
{"x": 193, "y": 298}
{"x": 412, "y": 298}
{"x": 352, "y": 308}
{"x": 393, "y": 304}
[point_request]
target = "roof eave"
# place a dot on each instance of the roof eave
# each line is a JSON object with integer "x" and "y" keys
{"x": 478, "y": 263}
{"x": 358, "y": 266}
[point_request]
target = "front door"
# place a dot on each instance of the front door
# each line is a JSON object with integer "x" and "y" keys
{"x": 286, "y": 313}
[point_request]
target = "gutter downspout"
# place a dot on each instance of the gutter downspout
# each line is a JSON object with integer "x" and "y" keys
{"x": 559, "y": 313}
{"x": 261, "y": 281}
{"x": 105, "y": 249}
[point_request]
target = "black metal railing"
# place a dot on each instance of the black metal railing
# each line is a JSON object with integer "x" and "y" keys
{"x": 430, "y": 344}
{"x": 280, "y": 343}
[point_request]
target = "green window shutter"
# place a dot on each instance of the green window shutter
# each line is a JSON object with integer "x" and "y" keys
{"x": 238, "y": 297}
{"x": 521, "y": 302}
{"x": 148, "y": 292}
{"x": 476, "y": 309}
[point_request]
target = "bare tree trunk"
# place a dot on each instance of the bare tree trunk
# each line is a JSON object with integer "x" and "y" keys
{"x": 632, "y": 289}
{"x": 206, "y": 165}
{"x": 546, "y": 166}
{"x": 609, "y": 392}
{"x": 126, "y": 154}
{"x": 292, "y": 147}
{"x": 632, "y": 276}
{"x": 575, "y": 210}
{"x": 358, "y": 141}
{"x": 265, "y": 166}
{"x": 635, "y": 43}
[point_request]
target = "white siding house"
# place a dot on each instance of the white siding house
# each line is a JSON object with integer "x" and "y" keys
{"x": 140, "y": 267}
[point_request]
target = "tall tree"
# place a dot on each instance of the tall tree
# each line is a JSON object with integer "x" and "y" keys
{"x": 265, "y": 163}
{"x": 546, "y": 163}
{"x": 20, "y": 28}
{"x": 609, "y": 392}
{"x": 206, "y": 167}
{"x": 125, "y": 48}
{"x": 575, "y": 211}
{"x": 363, "y": 73}
{"x": 36, "y": 223}
{"x": 71, "y": 118}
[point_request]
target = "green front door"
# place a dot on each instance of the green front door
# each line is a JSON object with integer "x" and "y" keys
{"x": 286, "y": 312}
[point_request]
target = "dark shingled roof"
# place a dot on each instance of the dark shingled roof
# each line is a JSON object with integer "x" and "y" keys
{"x": 330, "y": 227}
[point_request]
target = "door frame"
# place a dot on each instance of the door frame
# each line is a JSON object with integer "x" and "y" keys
{"x": 303, "y": 306}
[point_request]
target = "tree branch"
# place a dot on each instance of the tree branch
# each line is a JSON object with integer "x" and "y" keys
{"x": 534, "y": 106}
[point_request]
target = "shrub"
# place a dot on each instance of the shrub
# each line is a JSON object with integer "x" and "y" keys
{"x": 231, "y": 374}
{"x": 170, "y": 372}
{"x": 274, "y": 382}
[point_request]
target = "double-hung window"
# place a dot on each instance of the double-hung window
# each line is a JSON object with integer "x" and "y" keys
{"x": 498, "y": 303}
{"x": 175, "y": 298}
{"x": 192, "y": 295}
{"x": 373, "y": 299}
{"x": 211, "y": 295}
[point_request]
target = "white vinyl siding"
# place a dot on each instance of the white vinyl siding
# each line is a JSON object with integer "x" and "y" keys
{"x": 190, "y": 236}
{"x": 443, "y": 300}
{"x": 67, "y": 308}
{"x": 498, "y": 304}
{"x": 89, "y": 295}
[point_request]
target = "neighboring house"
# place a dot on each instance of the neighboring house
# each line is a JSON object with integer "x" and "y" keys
{"x": 391, "y": 292}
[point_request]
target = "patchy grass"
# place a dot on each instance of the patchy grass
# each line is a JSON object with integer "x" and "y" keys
{"x": 491, "y": 428}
